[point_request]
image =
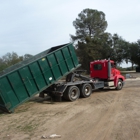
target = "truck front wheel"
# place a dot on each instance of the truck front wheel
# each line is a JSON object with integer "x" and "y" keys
{"x": 119, "y": 85}
{"x": 72, "y": 93}
{"x": 86, "y": 90}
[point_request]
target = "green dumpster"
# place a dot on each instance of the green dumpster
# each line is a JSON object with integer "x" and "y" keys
{"x": 20, "y": 82}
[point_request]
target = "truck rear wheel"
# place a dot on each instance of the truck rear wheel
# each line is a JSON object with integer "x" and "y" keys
{"x": 72, "y": 93}
{"x": 119, "y": 85}
{"x": 86, "y": 90}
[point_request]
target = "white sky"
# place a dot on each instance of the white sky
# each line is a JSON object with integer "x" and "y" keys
{"x": 32, "y": 26}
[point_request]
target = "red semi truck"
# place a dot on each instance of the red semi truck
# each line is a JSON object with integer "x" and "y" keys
{"x": 105, "y": 70}
{"x": 103, "y": 73}
{"x": 42, "y": 73}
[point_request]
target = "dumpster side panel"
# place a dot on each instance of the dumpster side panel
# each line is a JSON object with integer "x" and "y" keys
{"x": 46, "y": 71}
{"x": 8, "y": 96}
{"x": 37, "y": 75}
{"x": 18, "y": 86}
{"x": 1, "y": 100}
{"x": 28, "y": 81}
{"x": 61, "y": 62}
{"x": 68, "y": 58}
{"x": 73, "y": 54}
{"x": 54, "y": 66}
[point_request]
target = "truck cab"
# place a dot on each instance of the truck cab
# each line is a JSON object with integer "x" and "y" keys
{"x": 105, "y": 70}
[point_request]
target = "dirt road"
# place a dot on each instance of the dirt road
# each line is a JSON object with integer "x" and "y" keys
{"x": 105, "y": 115}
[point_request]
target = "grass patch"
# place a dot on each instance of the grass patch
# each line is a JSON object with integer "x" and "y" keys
{"x": 28, "y": 127}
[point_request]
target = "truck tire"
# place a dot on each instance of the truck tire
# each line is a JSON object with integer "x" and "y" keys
{"x": 119, "y": 85}
{"x": 72, "y": 93}
{"x": 85, "y": 90}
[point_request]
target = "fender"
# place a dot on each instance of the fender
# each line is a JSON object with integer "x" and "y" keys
{"x": 116, "y": 78}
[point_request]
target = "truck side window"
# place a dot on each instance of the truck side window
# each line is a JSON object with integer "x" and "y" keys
{"x": 113, "y": 65}
{"x": 97, "y": 67}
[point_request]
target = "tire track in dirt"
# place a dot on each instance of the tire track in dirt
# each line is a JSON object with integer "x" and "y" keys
{"x": 134, "y": 132}
{"x": 116, "y": 107}
{"x": 133, "y": 125}
{"x": 103, "y": 129}
{"x": 116, "y": 130}
{"x": 127, "y": 127}
{"x": 92, "y": 122}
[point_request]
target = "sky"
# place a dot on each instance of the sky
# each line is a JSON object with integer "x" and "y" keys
{"x": 33, "y": 26}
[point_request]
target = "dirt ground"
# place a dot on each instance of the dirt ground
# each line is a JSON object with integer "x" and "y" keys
{"x": 105, "y": 115}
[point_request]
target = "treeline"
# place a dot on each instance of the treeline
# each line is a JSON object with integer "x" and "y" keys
{"x": 93, "y": 43}
{"x": 10, "y": 59}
